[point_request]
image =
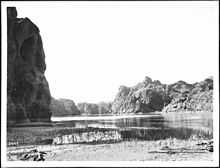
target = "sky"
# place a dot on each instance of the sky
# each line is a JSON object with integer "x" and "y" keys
{"x": 92, "y": 48}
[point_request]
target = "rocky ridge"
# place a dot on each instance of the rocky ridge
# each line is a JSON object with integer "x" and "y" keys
{"x": 146, "y": 96}
{"x": 28, "y": 94}
{"x": 191, "y": 97}
{"x": 151, "y": 96}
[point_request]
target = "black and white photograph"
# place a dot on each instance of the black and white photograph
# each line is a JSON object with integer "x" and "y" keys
{"x": 107, "y": 83}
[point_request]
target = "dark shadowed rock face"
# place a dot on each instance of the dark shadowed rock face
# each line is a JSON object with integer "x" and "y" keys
{"x": 150, "y": 96}
{"x": 101, "y": 108}
{"x": 63, "y": 107}
{"x": 28, "y": 94}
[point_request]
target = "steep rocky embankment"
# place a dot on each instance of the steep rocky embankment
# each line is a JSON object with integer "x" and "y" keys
{"x": 28, "y": 94}
{"x": 101, "y": 108}
{"x": 150, "y": 96}
{"x": 63, "y": 107}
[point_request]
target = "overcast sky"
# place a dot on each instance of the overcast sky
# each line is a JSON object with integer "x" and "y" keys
{"x": 94, "y": 47}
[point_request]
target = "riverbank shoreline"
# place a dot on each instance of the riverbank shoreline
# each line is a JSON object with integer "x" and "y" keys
{"x": 160, "y": 150}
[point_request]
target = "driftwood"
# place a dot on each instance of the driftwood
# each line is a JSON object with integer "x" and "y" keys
{"x": 174, "y": 151}
{"x": 34, "y": 155}
{"x": 203, "y": 148}
{"x": 208, "y": 145}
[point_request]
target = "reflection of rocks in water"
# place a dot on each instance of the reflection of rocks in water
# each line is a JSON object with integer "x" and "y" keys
{"x": 97, "y": 125}
{"x": 149, "y": 128}
{"x": 150, "y": 121}
{"x": 89, "y": 137}
{"x": 158, "y": 134}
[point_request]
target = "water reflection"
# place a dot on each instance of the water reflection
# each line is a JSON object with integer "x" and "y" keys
{"x": 155, "y": 127}
{"x": 153, "y": 121}
{"x": 162, "y": 127}
{"x": 160, "y": 122}
{"x": 164, "y": 133}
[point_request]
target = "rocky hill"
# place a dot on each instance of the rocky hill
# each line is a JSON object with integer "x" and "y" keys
{"x": 150, "y": 96}
{"x": 147, "y": 96}
{"x": 191, "y": 97}
{"x": 101, "y": 108}
{"x": 63, "y": 107}
{"x": 28, "y": 94}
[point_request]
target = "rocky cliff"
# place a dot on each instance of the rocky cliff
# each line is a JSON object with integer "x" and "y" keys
{"x": 63, "y": 107}
{"x": 146, "y": 96}
{"x": 191, "y": 97}
{"x": 150, "y": 96}
{"x": 28, "y": 94}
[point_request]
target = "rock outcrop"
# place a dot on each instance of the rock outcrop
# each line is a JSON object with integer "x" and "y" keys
{"x": 147, "y": 96}
{"x": 28, "y": 94}
{"x": 191, "y": 97}
{"x": 63, "y": 107}
{"x": 101, "y": 108}
{"x": 150, "y": 96}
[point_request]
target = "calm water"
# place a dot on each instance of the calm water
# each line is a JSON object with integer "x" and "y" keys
{"x": 152, "y": 126}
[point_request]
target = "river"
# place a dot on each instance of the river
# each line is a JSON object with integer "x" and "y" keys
{"x": 152, "y": 126}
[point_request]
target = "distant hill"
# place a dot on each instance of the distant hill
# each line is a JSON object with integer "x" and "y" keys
{"x": 147, "y": 96}
{"x": 101, "y": 108}
{"x": 63, "y": 107}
